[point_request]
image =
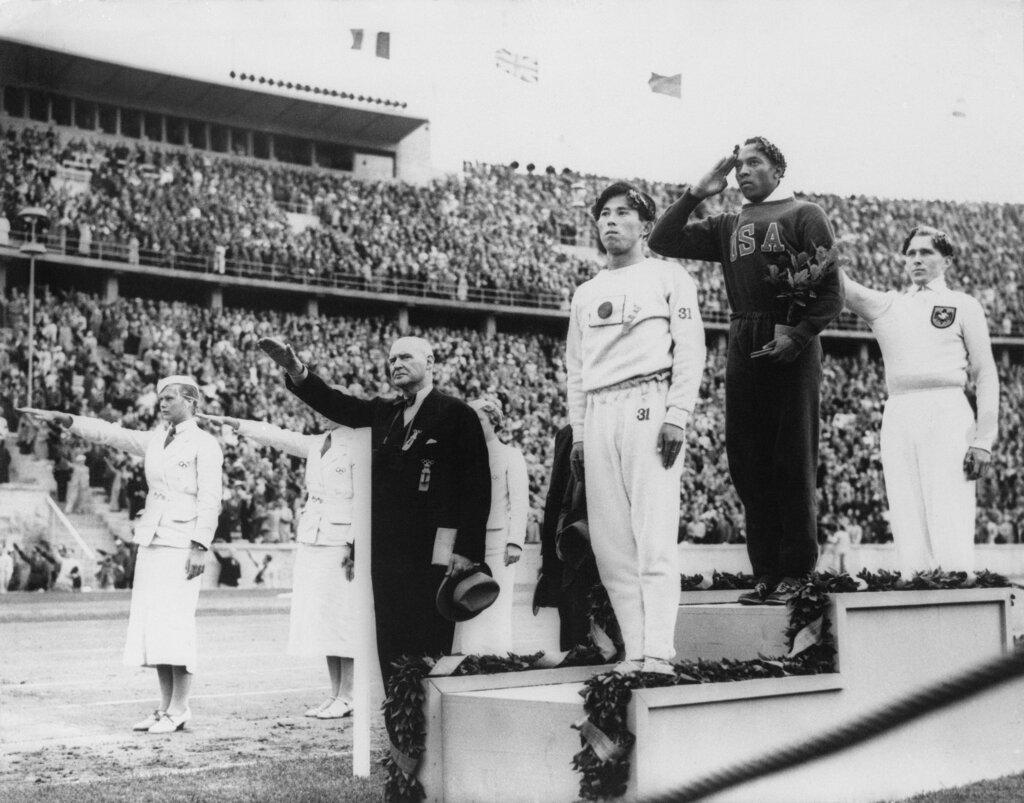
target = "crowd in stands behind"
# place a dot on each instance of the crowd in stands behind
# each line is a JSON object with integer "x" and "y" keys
{"x": 489, "y": 233}
{"x": 103, "y": 359}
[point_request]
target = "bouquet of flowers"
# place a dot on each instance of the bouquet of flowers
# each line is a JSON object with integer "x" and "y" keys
{"x": 798, "y": 276}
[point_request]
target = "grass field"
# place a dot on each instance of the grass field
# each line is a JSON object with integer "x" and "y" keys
{"x": 66, "y": 703}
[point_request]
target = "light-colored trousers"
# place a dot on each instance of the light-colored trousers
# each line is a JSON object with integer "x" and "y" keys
{"x": 490, "y": 631}
{"x": 633, "y": 514}
{"x": 932, "y": 505}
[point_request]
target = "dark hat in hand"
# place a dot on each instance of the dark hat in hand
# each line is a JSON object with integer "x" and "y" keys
{"x": 463, "y": 594}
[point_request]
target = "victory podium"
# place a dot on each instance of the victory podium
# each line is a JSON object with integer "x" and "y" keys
{"x": 509, "y": 736}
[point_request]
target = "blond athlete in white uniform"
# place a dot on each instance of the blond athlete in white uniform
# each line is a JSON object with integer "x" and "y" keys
{"x": 323, "y": 611}
{"x": 932, "y": 339}
{"x": 183, "y": 468}
{"x": 490, "y": 631}
{"x": 635, "y": 355}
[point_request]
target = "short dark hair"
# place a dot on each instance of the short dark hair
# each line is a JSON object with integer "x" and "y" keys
{"x": 938, "y": 237}
{"x": 635, "y": 197}
{"x": 771, "y": 152}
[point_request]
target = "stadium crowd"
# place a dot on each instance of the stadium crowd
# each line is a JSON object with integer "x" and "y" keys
{"x": 102, "y": 358}
{"x": 489, "y": 233}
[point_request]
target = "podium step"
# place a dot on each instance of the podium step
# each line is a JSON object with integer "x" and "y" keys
{"x": 513, "y": 732}
{"x": 730, "y": 630}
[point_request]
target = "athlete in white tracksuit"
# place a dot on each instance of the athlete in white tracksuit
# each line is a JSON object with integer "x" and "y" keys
{"x": 932, "y": 339}
{"x": 634, "y": 357}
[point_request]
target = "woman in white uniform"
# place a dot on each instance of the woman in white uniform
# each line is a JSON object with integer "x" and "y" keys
{"x": 322, "y": 591}
{"x": 183, "y": 469}
{"x": 490, "y": 632}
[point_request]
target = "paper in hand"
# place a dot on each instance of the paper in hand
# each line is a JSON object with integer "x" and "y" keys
{"x": 444, "y": 545}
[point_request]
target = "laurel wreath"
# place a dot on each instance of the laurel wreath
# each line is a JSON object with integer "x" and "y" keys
{"x": 799, "y": 275}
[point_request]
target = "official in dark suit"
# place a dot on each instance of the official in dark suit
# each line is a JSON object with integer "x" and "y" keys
{"x": 431, "y": 491}
{"x": 551, "y": 590}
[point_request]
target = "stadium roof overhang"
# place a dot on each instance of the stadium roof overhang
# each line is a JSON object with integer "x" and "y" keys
{"x": 280, "y": 111}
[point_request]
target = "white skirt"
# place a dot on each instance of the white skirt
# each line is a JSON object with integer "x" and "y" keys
{"x": 490, "y": 631}
{"x": 322, "y": 604}
{"x": 162, "y": 618}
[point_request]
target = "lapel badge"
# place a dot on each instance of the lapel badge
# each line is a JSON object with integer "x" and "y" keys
{"x": 425, "y": 475}
{"x": 410, "y": 440}
{"x": 943, "y": 317}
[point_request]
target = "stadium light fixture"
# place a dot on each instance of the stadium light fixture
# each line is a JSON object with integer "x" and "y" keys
{"x": 33, "y": 217}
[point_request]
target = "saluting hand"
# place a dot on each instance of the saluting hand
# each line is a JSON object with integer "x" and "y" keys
{"x": 716, "y": 179}
{"x": 220, "y": 420}
{"x": 46, "y": 415}
{"x": 283, "y": 354}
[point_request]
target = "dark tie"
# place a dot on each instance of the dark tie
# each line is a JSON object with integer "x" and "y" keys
{"x": 170, "y": 437}
{"x": 326, "y": 446}
{"x": 401, "y": 404}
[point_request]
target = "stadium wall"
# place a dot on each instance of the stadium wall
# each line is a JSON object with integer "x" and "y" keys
{"x": 703, "y": 559}
{"x": 202, "y": 286}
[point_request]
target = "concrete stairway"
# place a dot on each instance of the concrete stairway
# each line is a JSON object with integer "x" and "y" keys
{"x": 117, "y": 523}
{"x": 97, "y": 529}
{"x": 92, "y": 527}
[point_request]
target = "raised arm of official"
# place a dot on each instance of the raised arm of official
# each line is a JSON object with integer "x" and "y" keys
{"x": 338, "y": 406}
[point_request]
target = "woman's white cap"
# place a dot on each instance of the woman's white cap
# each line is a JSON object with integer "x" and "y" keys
{"x": 177, "y": 379}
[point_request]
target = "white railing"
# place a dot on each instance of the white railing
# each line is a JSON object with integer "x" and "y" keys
{"x": 56, "y": 512}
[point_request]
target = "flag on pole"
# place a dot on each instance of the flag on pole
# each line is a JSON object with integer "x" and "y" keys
{"x": 383, "y": 48}
{"x": 525, "y": 68}
{"x": 671, "y": 85}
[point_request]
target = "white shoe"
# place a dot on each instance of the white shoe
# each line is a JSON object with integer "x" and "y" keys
{"x": 316, "y": 709}
{"x": 339, "y": 707}
{"x": 658, "y": 666}
{"x": 149, "y": 721}
{"x": 628, "y": 667}
{"x": 170, "y": 724}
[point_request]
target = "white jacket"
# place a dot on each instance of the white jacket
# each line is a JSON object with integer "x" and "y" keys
{"x": 185, "y": 479}
{"x": 326, "y": 518}
{"x": 510, "y": 497}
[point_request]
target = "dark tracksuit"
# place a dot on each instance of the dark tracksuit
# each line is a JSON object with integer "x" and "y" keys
{"x": 433, "y": 473}
{"x": 771, "y": 409}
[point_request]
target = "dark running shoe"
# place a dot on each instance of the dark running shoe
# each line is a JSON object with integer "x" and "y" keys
{"x": 784, "y": 592}
{"x": 756, "y": 596}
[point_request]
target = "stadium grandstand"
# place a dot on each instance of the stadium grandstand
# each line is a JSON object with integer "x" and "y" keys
{"x": 183, "y": 218}
{"x": 180, "y": 181}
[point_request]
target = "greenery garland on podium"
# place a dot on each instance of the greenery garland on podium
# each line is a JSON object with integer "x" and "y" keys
{"x": 812, "y": 651}
{"x": 606, "y": 696}
{"x": 403, "y": 709}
